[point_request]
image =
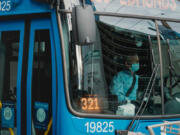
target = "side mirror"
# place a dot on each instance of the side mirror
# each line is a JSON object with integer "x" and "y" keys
{"x": 83, "y": 25}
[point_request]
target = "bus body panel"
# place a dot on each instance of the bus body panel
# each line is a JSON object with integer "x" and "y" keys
{"x": 64, "y": 123}
{"x": 23, "y": 7}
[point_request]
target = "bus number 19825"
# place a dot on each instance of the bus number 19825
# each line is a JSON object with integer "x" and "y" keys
{"x": 5, "y": 5}
{"x": 99, "y": 127}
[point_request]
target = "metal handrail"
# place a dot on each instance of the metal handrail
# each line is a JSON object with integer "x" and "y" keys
{"x": 126, "y": 15}
{"x": 49, "y": 127}
{"x": 150, "y": 128}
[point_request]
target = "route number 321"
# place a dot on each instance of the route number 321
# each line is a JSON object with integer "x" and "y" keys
{"x": 99, "y": 127}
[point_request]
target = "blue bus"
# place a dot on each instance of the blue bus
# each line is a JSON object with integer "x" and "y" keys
{"x": 66, "y": 67}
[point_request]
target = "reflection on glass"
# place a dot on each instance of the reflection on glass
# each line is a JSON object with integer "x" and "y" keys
{"x": 160, "y": 8}
{"x": 120, "y": 43}
{"x": 170, "y": 44}
{"x": 9, "y": 48}
{"x": 120, "y": 71}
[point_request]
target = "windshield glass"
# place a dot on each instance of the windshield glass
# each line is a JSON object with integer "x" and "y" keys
{"x": 158, "y": 8}
{"x": 170, "y": 45}
{"x": 120, "y": 73}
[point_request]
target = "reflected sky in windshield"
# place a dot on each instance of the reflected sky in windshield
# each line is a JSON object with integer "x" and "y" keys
{"x": 145, "y": 26}
{"x": 158, "y": 8}
{"x": 161, "y": 8}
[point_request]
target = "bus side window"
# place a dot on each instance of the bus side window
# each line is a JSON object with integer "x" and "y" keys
{"x": 41, "y": 76}
{"x": 9, "y": 52}
{"x": 9, "y": 49}
{"x": 2, "y": 67}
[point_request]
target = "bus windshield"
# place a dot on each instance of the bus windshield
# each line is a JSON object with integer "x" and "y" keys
{"x": 120, "y": 73}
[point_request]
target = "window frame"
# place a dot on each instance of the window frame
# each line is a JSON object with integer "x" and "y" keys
{"x": 66, "y": 83}
{"x": 39, "y": 24}
{"x": 18, "y": 25}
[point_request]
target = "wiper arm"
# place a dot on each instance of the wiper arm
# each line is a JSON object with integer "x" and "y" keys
{"x": 145, "y": 98}
{"x": 146, "y": 101}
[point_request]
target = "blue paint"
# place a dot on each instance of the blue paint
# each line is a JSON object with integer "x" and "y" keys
{"x": 20, "y": 59}
{"x": 64, "y": 122}
{"x": 29, "y": 76}
{"x": 54, "y": 81}
{"x": 60, "y": 81}
{"x": 21, "y": 7}
{"x": 7, "y": 115}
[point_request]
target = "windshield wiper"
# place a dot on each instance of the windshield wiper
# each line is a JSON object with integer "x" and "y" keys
{"x": 146, "y": 98}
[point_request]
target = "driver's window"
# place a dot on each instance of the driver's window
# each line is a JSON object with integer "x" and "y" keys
{"x": 42, "y": 82}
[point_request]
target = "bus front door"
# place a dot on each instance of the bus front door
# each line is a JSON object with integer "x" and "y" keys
{"x": 41, "y": 78}
{"x": 11, "y": 54}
